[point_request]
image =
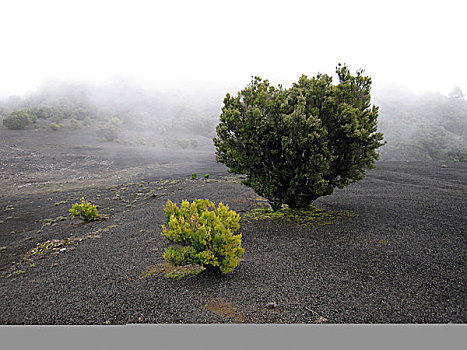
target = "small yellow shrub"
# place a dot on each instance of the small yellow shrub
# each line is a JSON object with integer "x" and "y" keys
{"x": 86, "y": 211}
{"x": 204, "y": 233}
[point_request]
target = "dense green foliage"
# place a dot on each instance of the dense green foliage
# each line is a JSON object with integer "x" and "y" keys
{"x": 85, "y": 210}
{"x": 204, "y": 233}
{"x": 426, "y": 126}
{"x": 295, "y": 145}
{"x": 17, "y": 120}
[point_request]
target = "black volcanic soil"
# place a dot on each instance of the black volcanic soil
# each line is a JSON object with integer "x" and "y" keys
{"x": 399, "y": 258}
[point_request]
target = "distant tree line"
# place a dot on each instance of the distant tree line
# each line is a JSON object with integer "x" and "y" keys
{"x": 427, "y": 126}
{"x": 111, "y": 109}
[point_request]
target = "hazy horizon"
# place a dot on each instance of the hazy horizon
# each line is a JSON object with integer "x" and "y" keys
{"x": 415, "y": 45}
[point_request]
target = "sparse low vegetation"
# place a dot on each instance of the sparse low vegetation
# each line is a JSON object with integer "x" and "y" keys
{"x": 303, "y": 216}
{"x": 141, "y": 140}
{"x": 75, "y": 124}
{"x": 54, "y": 126}
{"x": 183, "y": 143}
{"x": 47, "y": 222}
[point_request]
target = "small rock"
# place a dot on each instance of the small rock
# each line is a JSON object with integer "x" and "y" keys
{"x": 271, "y": 305}
{"x": 12, "y": 232}
{"x": 444, "y": 166}
{"x": 155, "y": 250}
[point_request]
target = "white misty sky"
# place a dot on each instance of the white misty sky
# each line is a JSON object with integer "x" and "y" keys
{"x": 420, "y": 45}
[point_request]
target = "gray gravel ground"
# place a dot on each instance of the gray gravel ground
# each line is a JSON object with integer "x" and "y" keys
{"x": 400, "y": 258}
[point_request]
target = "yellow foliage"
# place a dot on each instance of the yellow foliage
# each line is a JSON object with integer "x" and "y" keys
{"x": 204, "y": 233}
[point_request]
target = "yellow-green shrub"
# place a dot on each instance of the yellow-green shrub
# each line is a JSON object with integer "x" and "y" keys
{"x": 54, "y": 126}
{"x": 204, "y": 233}
{"x": 86, "y": 211}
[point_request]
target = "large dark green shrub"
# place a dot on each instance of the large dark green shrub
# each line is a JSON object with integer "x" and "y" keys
{"x": 295, "y": 145}
{"x": 17, "y": 120}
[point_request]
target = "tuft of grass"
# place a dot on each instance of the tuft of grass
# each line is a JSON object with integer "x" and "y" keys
{"x": 194, "y": 176}
{"x": 47, "y": 222}
{"x": 302, "y": 216}
{"x": 42, "y": 248}
{"x": 14, "y": 273}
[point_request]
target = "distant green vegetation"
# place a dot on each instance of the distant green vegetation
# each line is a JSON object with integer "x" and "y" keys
{"x": 22, "y": 117}
{"x": 110, "y": 130}
{"x": 423, "y": 127}
{"x": 18, "y": 120}
{"x": 75, "y": 124}
{"x": 146, "y": 118}
{"x": 54, "y": 126}
{"x": 183, "y": 143}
